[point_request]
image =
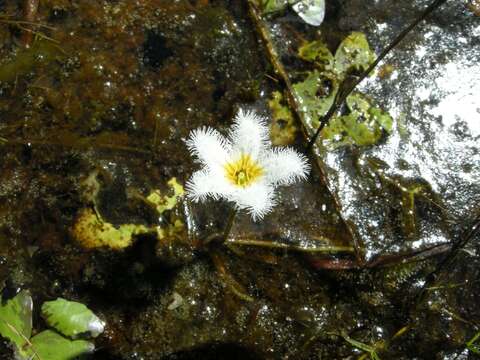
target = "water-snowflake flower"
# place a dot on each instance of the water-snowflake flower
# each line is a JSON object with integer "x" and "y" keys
{"x": 243, "y": 167}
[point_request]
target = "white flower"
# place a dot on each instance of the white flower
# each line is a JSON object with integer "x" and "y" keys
{"x": 242, "y": 168}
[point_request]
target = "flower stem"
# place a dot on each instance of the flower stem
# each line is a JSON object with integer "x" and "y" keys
{"x": 230, "y": 221}
{"x": 221, "y": 237}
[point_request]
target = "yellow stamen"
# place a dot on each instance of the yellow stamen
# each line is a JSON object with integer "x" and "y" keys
{"x": 244, "y": 171}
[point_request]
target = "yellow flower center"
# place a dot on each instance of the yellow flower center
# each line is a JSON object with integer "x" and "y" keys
{"x": 243, "y": 171}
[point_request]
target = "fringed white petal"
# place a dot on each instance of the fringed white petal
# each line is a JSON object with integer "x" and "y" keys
{"x": 209, "y": 146}
{"x": 285, "y": 166}
{"x": 205, "y": 183}
{"x": 257, "y": 199}
{"x": 249, "y": 134}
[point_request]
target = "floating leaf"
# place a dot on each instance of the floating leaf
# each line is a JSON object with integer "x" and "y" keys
{"x": 49, "y": 345}
{"x": 311, "y": 11}
{"x": 71, "y": 318}
{"x": 472, "y": 346}
{"x": 16, "y": 319}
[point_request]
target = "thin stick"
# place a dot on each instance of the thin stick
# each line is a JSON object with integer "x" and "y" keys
{"x": 344, "y": 92}
{"x": 277, "y": 245}
{"x": 17, "y": 22}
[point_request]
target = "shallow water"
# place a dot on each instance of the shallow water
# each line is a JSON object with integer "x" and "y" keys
{"x": 94, "y": 113}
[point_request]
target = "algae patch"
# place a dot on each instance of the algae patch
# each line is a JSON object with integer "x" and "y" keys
{"x": 282, "y": 129}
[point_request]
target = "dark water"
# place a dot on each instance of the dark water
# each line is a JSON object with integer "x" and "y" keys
{"x": 94, "y": 113}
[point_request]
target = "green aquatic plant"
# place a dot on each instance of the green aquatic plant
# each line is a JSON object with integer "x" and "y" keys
{"x": 70, "y": 319}
{"x": 364, "y": 123}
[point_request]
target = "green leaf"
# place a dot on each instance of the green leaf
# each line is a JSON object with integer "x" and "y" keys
{"x": 49, "y": 345}
{"x": 354, "y": 53}
{"x": 359, "y": 345}
{"x": 16, "y": 319}
{"x": 362, "y": 126}
{"x": 71, "y": 318}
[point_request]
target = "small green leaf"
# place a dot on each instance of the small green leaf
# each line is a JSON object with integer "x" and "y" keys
{"x": 49, "y": 345}
{"x": 270, "y": 6}
{"x": 472, "y": 346}
{"x": 382, "y": 118}
{"x": 71, "y": 318}
{"x": 362, "y": 133}
{"x": 357, "y": 102}
{"x": 318, "y": 52}
{"x": 16, "y": 319}
{"x": 315, "y": 95}
{"x": 354, "y": 53}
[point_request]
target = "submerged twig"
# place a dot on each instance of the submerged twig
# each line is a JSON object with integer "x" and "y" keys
{"x": 345, "y": 90}
{"x": 436, "y": 277}
{"x": 229, "y": 281}
{"x": 30, "y": 9}
{"x": 76, "y": 145}
{"x": 383, "y": 260}
{"x": 277, "y": 245}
